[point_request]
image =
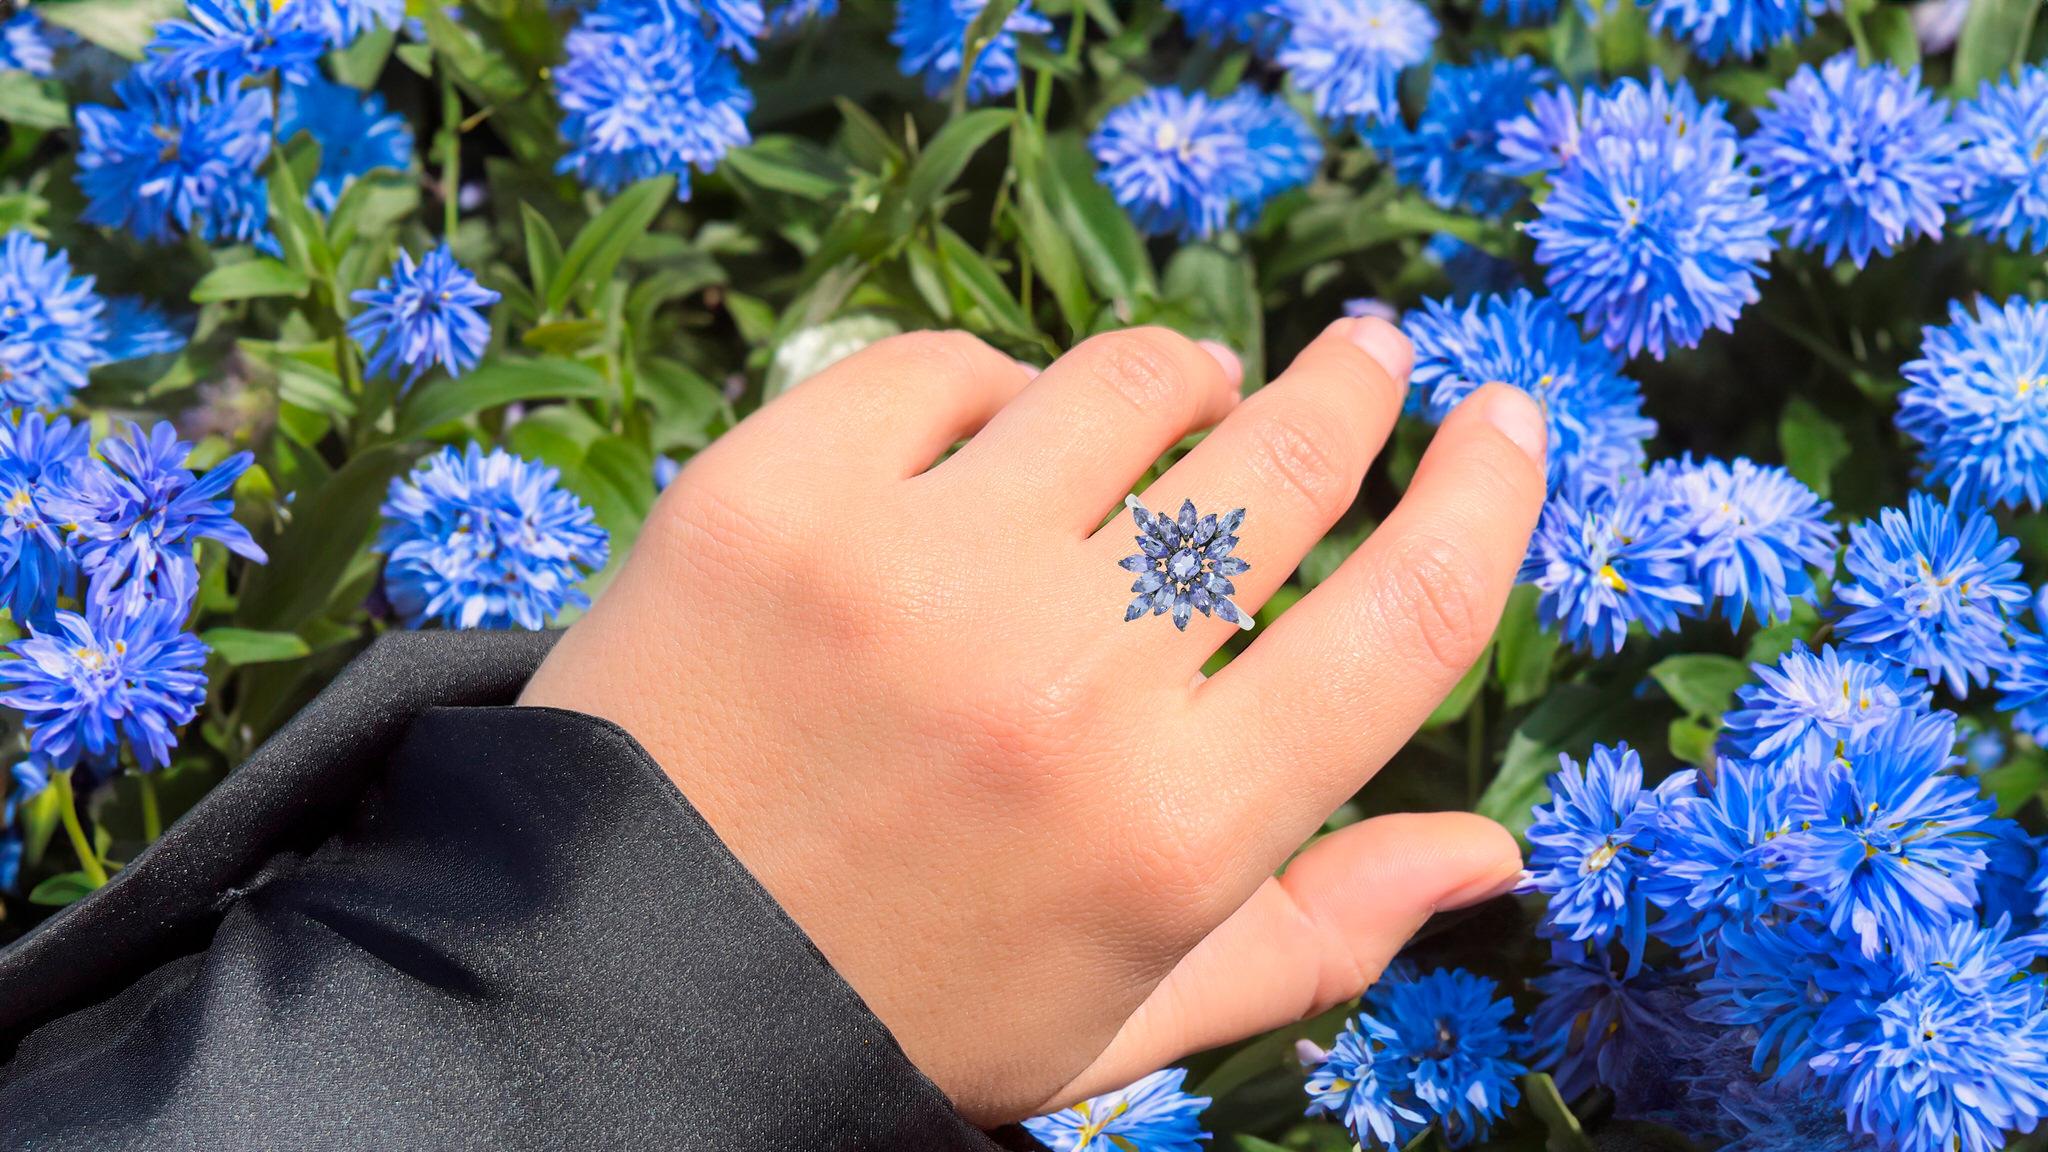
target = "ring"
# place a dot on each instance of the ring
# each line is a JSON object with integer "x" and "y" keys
{"x": 1184, "y": 565}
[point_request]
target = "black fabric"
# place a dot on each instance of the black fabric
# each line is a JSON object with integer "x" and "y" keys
{"x": 418, "y": 920}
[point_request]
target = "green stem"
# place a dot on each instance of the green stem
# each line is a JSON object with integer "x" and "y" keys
{"x": 67, "y": 808}
{"x": 451, "y": 155}
{"x": 152, "y": 812}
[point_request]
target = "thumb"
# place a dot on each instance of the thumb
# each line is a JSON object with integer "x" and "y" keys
{"x": 1314, "y": 937}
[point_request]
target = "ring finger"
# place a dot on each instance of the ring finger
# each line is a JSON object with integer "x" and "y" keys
{"x": 1292, "y": 455}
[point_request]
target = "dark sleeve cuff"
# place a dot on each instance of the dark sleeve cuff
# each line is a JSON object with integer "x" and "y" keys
{"x": 507, "y": 929}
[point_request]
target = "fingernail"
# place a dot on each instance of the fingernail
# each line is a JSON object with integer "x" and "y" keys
{"x": 1232, "y": 366}
{"x": 1030, "y": 369}
{"x": 1515, "y": 413}
{"x": 1384, "y": 343}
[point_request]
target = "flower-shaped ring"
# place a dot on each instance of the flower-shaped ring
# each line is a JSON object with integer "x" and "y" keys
{"x": 1184, "y": 565}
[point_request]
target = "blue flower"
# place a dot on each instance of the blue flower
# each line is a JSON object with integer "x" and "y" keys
{"x": 1452, "y": 153}
{"x": 1715, "y": 861}
{"x": 238, "y": 38}
{"x": 1595, "y": 414}
{"x": 1743, "y": 28}
{"x": 732, "y": 25}
{"x": 1348, "y": 54}
{"x": 1181, "y": 162}
{"x": 1855, "y": 158}
{"x": 179, "y": 156}
{"x": 1154, "y": 1115}
{"x": 1653, "y": 233}
{"x": 2023, "y": 684}
{"x": 1756, "y": 532}
{"x": 1184, "y": 565}
{"x": 1607, "y": 556}
{"x": 1943, "y": 1052}
{"x": 137, "y": 328}
{"x": 1363, "y": 1081}
{"x": 36, "y": 562}
{"x": 121, "y": 674}
{"x": 50, "y": 326}
{"x": 423, "y": 314}
{"x": 646, "y": 101}
{"x": 1596, "y": 1026}
{"x": 1588, "y": 845}
{"x": 1544, "y": 137}
{"x": 792, "y": 16}
{"x": 486, "y": 541}
{"x": 1767, "y": 977}
{"x": 1450, "y": 1034}
{"x": 23, "y": 48}
{"x": 1811, "y": 703}
{"x": 1227, "y": 21}
{"x": 2005, "y": 190}
{"x": 933, "y": 35}
{"x": 1521, "y": 12}
{"x": 1931, "y": 588}
{"x": 1285, "y": 148}
{"x": 1886, "y": 838}
{"x": 353, "y": 131}
{"x": 2039, "y": 886}
{"x": 1977, "y": 401}
{"x": 342, "y": 22}
{"x": 139, "y": 517}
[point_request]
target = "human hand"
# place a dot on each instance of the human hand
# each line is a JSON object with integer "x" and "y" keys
{"x": 1032, "y": 836}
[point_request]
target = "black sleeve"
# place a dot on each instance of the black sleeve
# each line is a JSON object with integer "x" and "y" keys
{"x": 419, "y": 918}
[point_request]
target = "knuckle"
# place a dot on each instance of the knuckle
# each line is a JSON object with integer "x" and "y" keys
{"x": 915, "y": 359}
{"x": 1149, "y": 369}
{"x": 1435, "y": 591}
{"x": 1306, "y": 450}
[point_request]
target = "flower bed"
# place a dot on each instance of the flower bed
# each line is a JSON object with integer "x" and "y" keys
{"x": 333, "y": 316}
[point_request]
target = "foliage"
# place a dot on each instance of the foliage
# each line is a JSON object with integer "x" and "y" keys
{"x": 447, "y": 272}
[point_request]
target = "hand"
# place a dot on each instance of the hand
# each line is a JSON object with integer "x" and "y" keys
{"x": 1032, "y": 836}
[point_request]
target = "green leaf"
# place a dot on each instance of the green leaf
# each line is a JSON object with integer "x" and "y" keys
{"x": 1892, "y": 36}
{"x": 1223, "y": 287}
{"x": 1993, "y": 42}
{"x": 1814, "y": 446}
{"x": 239, "y": 646}
{"x": 597, "y": 249}
{"x": 330, "y": 525}
{"x": 812, "y": 350}
{"x": 250, "y": 280}
{"x": 947, "y": 155}
{"x": 792, "y": 165}
{"x": 972, "y": 274}
{"x": 120, "y": 26}
{"x": 61, "y": 889}
{"x": 28, "y": 102}
{"x": 1565, "y": 1133}
{"x": 495, "y": 382}
{"x": 1459, "y": 702}
{"x": 871, "y": 146}
{"x": 1691, "y": 740}
{"x": 1569, "y": 720}
{"x": 1524, "y": 650}
{"x": 1112, "y": 253}
{"x": 1249, "y": 1143}
{"x": 2022, "y": 777}
{"x": 543, "y": 247}
{"x": 1701, "y": 683}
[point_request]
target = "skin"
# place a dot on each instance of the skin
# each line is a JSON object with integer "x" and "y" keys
{"x": 1039, "y": 844}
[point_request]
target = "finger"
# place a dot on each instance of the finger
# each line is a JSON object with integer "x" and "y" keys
{"x": 1075, "y": 441}
{"x": 1363, "y": 659}
{"x": 1292, "y": 456}
{"x": 1315, "y": 937}
{"x": 894, "y": 406}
